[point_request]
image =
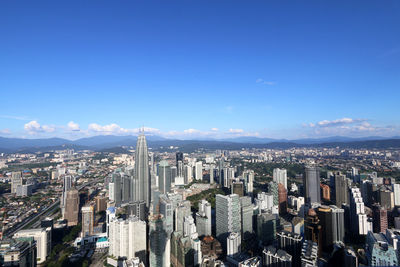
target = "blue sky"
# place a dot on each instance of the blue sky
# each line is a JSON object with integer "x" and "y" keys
{"x": 186, "y": 69}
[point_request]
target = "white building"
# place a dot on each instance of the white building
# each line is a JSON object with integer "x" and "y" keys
{"x": 264, "y": 201}
{"x": 396, "y": 194}
{"x": 16, "y": 180}
{"x": 42, "y": 237}
{"x": 233, "y": 243}
{"x": 199, "y": 171}
{"x": 203, "y": 218}
{"x": 358, "y": 217}
{"x": 280, "y": 176}
{"x": 127, "y": 238}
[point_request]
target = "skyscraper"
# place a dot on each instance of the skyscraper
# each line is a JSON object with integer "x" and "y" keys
{"x": 233, "y": 242}
{"x": 164, "y": 177}
{"x": 87, "y": 220}
{"x": 227, "y": 216}
{"x": 72, "y": 207}
{"x": 199, "y": 171}
{"x": 311, "y": 185}
{"x": 142, "y": 186}
{"x": 16, "y": 180}
{"x": 159, "y": 242}
{"x": 282, "y": 198}
{"x": 341, "y": 190}
{"x": 203, "y": 218}
{"x": 280, "y": 176}
{"x": 127, "y": 238}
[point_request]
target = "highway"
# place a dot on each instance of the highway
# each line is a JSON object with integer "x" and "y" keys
{"x": 44, "y": 213}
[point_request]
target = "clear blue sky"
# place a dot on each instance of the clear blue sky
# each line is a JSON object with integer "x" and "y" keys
{"x": 268, "y": 68}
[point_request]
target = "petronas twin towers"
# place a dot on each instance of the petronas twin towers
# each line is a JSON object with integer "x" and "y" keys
{"x": 141, "y": 182}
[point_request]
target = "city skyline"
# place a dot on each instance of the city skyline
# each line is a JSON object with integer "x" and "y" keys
{"x": 280, "y": 71}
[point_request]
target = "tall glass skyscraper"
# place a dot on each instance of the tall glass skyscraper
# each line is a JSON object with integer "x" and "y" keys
{"x": 141, "y": 187}
{"x": 311, "y": 185}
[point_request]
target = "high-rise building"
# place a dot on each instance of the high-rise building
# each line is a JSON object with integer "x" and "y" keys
{"x": 164, "y": 177}
{"x": 127, "y": 238}
{"x": 282, "y": 199}
{"x": 166, "y": 209}
{"x": 341, "y": 190}
{"x": 203, "y": 218}
{"x": 72, "y": 207}
{"x": 16, "y": 180}
{"x": 182, "y": 253}
{"x": 159, "y": 242}
{"x": 313, "y": 229}
{"x": 87, "y": 220}
{"x": 311, "y": 185}
{"x": 237, "y": 188}
{"x": 274, "y": 257}
{"x": 266, "y": 227}
{"x": 325, "y": 192}
{"x": 42, "y": 236}
{"x": 379, "y": 251}
{"x": 188, "y": 175}
{"x": 386, "y": 198}
{"x": 20, "y": 252}
{"x": 101, "y": 203}
{"x": 199, "y": 171}
{"x": 179, "y": 156}
{"x": 309, "y": 254}
{"x": 181, "y": 211}
{"x": 380, "y": 219}
{"x": 358, "y": 217}
{"x": 211, "y": 171}
{"x": 233, "y": 243}
{"x": 273, "y": 189}
{"x": 280, "y": 176}
{"x": 137, "y": 209}
{"x": 248, "y": 177}
{"x": 246, "y": 214}
{"x": 142, "y": 183}
{"x": 227, "y": 216}
{"x": 331, "y": 220}
{"x": 67, "y": 184}
{"x": 396, "y": 194}
{"x": 291, "y": 243}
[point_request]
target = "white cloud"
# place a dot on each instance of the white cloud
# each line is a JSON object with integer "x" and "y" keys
{"x": 236, "y": 131}
{"x": 114, "y": 128}
{"x": 5, "y": 131}
{"x": 349, "y": 127}
{"x": 262, "y": 81}
{"x": 33, "y": 127}
{"x": 191, "y": 131}
{"x": 342, "y": 121}
{"x": 72, "y": 126}
{"x": 214, "y": 129}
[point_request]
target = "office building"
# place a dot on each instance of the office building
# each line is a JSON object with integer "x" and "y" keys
{"x": 127, "y": 238}
{"x": 282, "y": 199}
{"x": 379, "y": 252}
{"x": 164, "y": 177}
{"x": 203, "y": 218}
{"x": 266, "y": 227}
{"x": 309, "y": 254}
{"x": 291, "y": 243}
{"x": 246, "y": 214}
{"x": 311, "y": 185}
{"x": 21, "y": 252}
{"x": 276, "y": 257}
{"x": 380, "y": 219}
{"x": 42, "y": 236}
{"x": 16, "y": 180}
{"x": 313, "y": 229}
{"x": 87, "y": 220}
{"x": 72, "y": 207}
{"x": 141, "y": 183}
{"x": 358, "y": 217}
{"x": 227, "y": 216}
{"x": 280, "y": 176}
{"x": 331, "y": 220}
{"x": 233, "y": 244}
{"x": 237, "y": 187}
{"x": 181, "y": 211}
{"x": 199, "y": 171}
{"x": 159, "y": 242}
{"x": 341, "y": 190}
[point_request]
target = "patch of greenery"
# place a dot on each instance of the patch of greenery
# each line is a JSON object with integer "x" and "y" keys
{"x": 208, "y": 195}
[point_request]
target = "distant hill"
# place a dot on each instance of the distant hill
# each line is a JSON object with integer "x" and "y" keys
{"x": 104, "y": 142}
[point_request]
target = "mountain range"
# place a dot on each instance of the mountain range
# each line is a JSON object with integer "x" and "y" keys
{"x": 106, "y": 142}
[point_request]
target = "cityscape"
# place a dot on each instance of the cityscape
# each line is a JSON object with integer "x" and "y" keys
{"x": 199, "y": 133}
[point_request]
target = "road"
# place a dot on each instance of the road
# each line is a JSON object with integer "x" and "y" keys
{"x": 44, "y": 212}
